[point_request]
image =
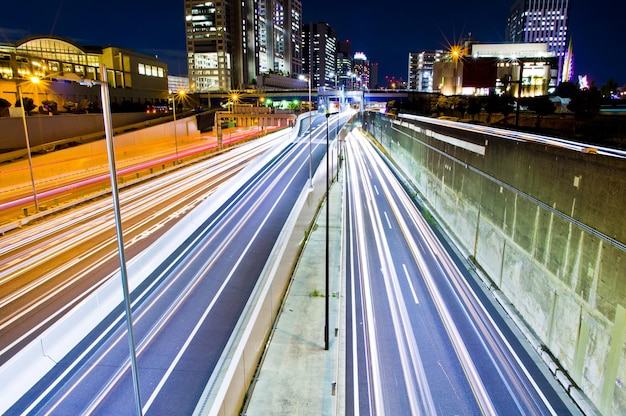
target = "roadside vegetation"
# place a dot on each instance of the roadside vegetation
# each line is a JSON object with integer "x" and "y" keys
{"x": 589, "y": 115}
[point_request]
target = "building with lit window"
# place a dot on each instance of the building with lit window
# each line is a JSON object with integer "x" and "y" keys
{"x": 421, "y": 70}
{"x": 344, "y": 63}
{"x": 319, "y": 46}
{"x": 542, "y": 21}
{"x": 133, "y": 78}
{"x": 232, "y": 44}
{"x": 527, "y": 69}
{"x": 360, "y": 71}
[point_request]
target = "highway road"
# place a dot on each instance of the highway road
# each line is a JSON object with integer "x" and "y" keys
{"x": 50, "y": 266}
{"x": 423, "y": 338}
{"x": 186, "y": 311}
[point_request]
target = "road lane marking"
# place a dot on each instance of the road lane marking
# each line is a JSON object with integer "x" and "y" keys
{"x": 387, "y": 218}
{"x": 408, "y": 278}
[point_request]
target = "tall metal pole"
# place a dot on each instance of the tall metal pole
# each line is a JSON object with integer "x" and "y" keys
{"x": 30, "y": 158}
{"x": 519, "y": 92}
{"x": 175, "y": 133}
{"x": 310, "y": 132}
{"x": 108, "y": 129}
{"x": 326, "y": 325}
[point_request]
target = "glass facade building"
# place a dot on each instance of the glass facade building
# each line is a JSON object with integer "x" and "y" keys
{"x": 230, "y": 43}
{"x": 319, "y": 44}
{"x": 541, "y": 21}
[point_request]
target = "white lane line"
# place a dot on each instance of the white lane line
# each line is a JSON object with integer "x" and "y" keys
{"x": 408, "y": 278}
{"x": 387, "y": 218}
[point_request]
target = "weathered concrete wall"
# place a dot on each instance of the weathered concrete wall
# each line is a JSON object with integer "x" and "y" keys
{"x": 546, "y": 225}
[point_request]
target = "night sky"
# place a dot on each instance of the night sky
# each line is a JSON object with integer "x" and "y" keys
{"x": 386, "y": 31}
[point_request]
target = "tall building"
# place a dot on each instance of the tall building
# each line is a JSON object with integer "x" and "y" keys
{"x": 541, "y": 21}
{"x": 360, "y": 71}
{"x": 319, "y": 52}
{"x": 421, "y": 70}
{"x": 231, "y": 43}
{"x": 373, "y": 75}
{"x": 344, "y": 63}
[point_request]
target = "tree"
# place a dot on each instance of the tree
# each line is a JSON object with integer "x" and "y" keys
{"x": 473, "y": 105}
{"x": 586, "y": 104}
{"x": 29, "y": 104}
{"x": 566, "y": 90}
{"x": 49, "y": 106}
{"x": 505, "y": 105}
{"x": 608, "y": 89}
{"x": 491, "y": 105}
{"x": 542, "y": 106}
{"x": 443, "y": 105}
{"x": 459, "y": 104}
{"x": 4, "y": 107}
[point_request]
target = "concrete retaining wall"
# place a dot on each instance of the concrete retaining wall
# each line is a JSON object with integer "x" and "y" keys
{"x": 545, "y": 225}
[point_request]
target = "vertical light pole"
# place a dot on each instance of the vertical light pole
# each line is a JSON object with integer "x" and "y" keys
{"x": 338, "y": 142}
{"x": 457, "y": 53}
{"x": 175, "y": 129}
{"x": 326, "y": 338}
{"x": 310, "y": 129}
{"x": 108, "y": 129}
{"x": 30, "y": 158}
{"x": 519, "y": 91}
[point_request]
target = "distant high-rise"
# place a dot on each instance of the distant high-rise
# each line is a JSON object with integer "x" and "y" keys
{"x": 319, "y": 51}
{"x": 360, "y": 71}
{"x": 344, "y": 63}
{"x": 543, "y": 21}
{"x": 230, "y": 43}
{"x": 421, "y": 70}
{"x": 373, "y": 75}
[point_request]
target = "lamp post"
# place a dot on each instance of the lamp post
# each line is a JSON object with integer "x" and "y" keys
{"x": 181, "y": 92}
{"x": 519, "y": 91}
{"x": 310, "y": 129}
{"x": 457, "y": 53}
{"x": 108, "y": 129}
{"x": 326, "y": 337}
{"x": 30, "y": 158}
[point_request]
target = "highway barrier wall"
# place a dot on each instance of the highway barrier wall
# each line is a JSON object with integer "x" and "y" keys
{"x": 545, "y": 226}
{"x": 44, "y": 130}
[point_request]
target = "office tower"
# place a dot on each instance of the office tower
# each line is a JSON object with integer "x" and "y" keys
{"x": 344, "y": 62}
{"x": 543, "y": 21}
{"x": 360, "y": 71}
{"x": 231, "y": 43}
{"x": 373, "y": 76}
{"x": 319, "y": 52}
{"x": 421, "y": 69}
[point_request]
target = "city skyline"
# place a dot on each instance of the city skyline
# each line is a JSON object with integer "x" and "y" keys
{"x": 384, "y": 38}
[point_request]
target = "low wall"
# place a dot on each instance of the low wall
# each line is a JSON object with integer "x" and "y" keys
{"x": 545, "y": 226}
{"x": 44, "y": 131}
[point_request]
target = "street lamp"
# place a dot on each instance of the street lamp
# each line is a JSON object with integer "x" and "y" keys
{"x": 34, "y": 80}
{"x": 457, "y": 53}
{"x": 326, "y": 325}
{"x": 108, "y": 130}
{"x": 181, "y": 93}
{"x": 301, "y": 77}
